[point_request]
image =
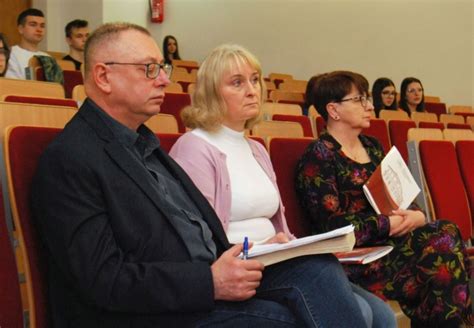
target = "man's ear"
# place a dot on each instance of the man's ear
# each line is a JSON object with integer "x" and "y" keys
{"x": 101, "y": 77}
{"x": 332, "y": 111}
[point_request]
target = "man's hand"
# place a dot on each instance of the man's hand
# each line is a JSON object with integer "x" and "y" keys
{"x": 235, "y": 279}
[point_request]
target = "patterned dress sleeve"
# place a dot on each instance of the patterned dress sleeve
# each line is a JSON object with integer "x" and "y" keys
{"x": 330, "y": 192}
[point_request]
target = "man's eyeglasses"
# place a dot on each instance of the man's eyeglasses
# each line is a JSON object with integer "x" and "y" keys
{"x": 152, "y": 70}
{"x": 389, "y": 93}
{"x": 363, "y": 100}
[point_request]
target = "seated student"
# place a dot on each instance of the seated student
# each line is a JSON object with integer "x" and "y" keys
{"x": 32, "y": 27}
{"x": 384, "y": 95}
{"x": 131, "y": 242}
{"x": 3, "y": 61}
{"x": 170, "y": 49}
{"x": 235, "y": 173}
{"x": 77, "y": 32}
{"x": 412, "y": 97}
{"x": 428, "y": 270}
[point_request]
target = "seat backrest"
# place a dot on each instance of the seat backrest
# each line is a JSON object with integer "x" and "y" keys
{"x": 465, "y": 153}
{"x": 10, "y": 300}
{"x": 449, "y": 118}
{"x": 285, "y": 154}
{"x": 279, "y": 95}
{"x": 71, "y": 79}
{"x": 280, "y": 76}
{"x": 269, "y": 109}
{"x": 303, "y": 120}
{"x": 388, "y": 115}
{"x": 418, "y": 134}
{"x": 23, "y": 147}
{"x": 40, "y": 100}
{"x": 79, "y": 93}
{"x": 32, "y": 114}
{"x": 30, "y": 88}
{"x": 167, "y": 140}
{"x": 437, "y": 108}
{"x": 293, "y": 86}
{"x": 444, "y": 181}
{"x": 320, "y": 125}
{"x": 278, "y": 129}
{"x": 173, "y": 104}
{"x": 432, "y": 99}
{"x": 378, "y": 129}
{"x": 431, "y": 125}
{"x": 462, "y": 126}
{"x": 459, "y": 109}
{"x": 458, "y": 134}
{"x": 174, "y": 87}
{"x": 163, "y": 123}
{"x": 398, "y": 130}
{"x": 424, "y": 116}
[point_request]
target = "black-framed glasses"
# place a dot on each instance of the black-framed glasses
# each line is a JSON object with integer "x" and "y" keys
{"x": 363, "y": 100}
{"x": 152, "y": 70}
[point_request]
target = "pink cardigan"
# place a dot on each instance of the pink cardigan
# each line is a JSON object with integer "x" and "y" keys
{"x": 206, "y": 165}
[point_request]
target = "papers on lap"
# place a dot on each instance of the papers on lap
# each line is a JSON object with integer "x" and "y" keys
{"x": 363, "y": 255}
{"x": 339, "y": 240}
{"x": 391, "y": 186}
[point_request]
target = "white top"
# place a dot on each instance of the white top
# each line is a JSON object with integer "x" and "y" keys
{"x": 254, "y": 197}
{"x": 18, "y": 61}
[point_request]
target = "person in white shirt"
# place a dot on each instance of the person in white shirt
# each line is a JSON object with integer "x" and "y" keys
{"x": 32, "y": 27}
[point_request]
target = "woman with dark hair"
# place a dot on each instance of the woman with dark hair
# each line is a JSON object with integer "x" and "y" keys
{"x": 384, "y": 95}
{"x": 428, "y": 270}
{"x": 4, "y": 55}
{"x": 170, "y": 49}
{"x": 412, "y": 96}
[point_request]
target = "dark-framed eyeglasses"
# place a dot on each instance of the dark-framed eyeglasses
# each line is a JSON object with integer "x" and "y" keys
{"x": 152, "y": 70}
{"x": 363, "y": 100}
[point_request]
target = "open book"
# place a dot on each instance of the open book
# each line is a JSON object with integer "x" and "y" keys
{"x": 363, "y": 255}
{"x": 391, "y": 186}
{"x": 339, "y": 240}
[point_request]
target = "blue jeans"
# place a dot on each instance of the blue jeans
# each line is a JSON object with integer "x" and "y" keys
{"x": 376, "y": 312}
{"x": 310, "y": 291}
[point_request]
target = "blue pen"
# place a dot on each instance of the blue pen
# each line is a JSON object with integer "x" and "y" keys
{"x": 246, "y": 248}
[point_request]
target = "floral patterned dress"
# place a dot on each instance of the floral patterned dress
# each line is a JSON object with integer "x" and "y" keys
{"x": 427, "y": 272}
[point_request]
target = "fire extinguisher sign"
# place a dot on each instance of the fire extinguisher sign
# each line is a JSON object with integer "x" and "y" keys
{"x": 157, "y": 11}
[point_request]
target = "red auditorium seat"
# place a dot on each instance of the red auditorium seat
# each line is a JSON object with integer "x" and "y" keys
{"x": 378, "y": 129}
{"x": 71, "y": 79}
{"x": 167, "y": 140}
{"x": 258, "y": 139}
{"x": 11, "y": 314}
{"x": 465, "y": 152}
{"x": 303, "y": 120}
{"x": 284, "y": 154}
{"x": 399, "y": 135}
{"x": 320, "y": 125}
{"x": 41, "y": 100}
{"x": 23, "y": 147}
{"x": 173, "y": 104}
{"x": 465, "y": 115}
{"x": 445, "y": 184}
{"x": 437, "y": 108}
{"x": 458, "y": 126}
{"x": 431, "y": 125}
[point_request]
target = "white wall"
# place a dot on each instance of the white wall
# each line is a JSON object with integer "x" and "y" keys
{"x": 430, "y": 39}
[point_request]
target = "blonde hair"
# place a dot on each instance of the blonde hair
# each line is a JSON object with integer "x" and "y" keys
{"x": 208, "y": 107}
